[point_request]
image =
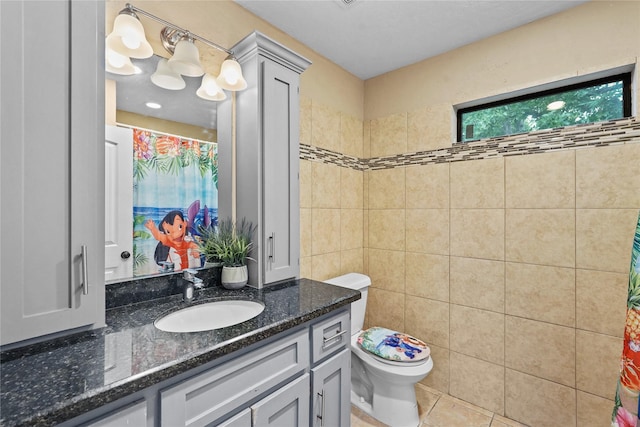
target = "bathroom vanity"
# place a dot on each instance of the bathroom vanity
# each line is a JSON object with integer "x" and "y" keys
{"x": 53, "y": 189}
{"x": 288, "y": 366}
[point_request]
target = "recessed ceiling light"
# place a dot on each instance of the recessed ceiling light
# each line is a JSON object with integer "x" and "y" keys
{"x": 153, "y": 105}
{"x": 555, "y": 105}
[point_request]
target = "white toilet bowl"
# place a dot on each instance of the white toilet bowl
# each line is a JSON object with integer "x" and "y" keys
{"x": 382, "y": 388}
{"x": 386, "y": 389}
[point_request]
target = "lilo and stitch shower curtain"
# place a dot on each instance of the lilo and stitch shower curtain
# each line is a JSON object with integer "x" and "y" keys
{"x": 625, "y": 412}
{"x": 175, "y": 194}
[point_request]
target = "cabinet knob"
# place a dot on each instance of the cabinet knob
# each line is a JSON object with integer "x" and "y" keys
{"x": 125, "y": 255}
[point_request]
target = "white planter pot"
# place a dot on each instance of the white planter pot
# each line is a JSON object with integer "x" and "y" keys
{"x": 234, "y": 277}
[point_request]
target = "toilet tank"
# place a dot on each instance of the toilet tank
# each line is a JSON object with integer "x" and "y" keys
{"x": 358, "y": 282}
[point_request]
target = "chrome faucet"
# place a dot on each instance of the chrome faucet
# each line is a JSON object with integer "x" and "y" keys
{"x": 189, "y": 283}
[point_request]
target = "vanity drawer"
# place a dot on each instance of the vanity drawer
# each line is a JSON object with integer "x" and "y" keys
{"x": 132, "y": 415}
{"x": 330, "y": 335}
{"x": 208, "y": 396}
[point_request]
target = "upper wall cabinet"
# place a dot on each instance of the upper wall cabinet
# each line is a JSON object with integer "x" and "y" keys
{"x": 267, "y": 156}
{"x": 52, "y": 167}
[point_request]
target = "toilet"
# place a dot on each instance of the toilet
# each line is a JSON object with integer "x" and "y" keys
{"x": 380, "y": 387}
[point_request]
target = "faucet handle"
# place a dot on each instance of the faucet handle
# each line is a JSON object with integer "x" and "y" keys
{"x": 189, "y": 274}
{"x": 198, "y": 283}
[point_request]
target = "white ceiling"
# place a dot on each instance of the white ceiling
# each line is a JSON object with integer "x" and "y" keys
{"x": 372, "y": 37}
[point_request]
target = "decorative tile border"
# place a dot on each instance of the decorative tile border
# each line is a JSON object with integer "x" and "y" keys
{"x": 322, "y": 155}
{"x": 602, "y": 134}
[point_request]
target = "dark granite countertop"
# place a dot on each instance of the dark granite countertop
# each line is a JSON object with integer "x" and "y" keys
{"x": 54, "y": 381}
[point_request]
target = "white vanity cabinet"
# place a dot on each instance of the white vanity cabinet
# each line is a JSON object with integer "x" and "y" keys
{"x": 51, "y": 167}
{"x": 320, "y": 397}
{"x": 208, "y": 397}
{"x": 266, "y": 156}
{"x": 298, "y": 378}
{"x": 331, "y": 372}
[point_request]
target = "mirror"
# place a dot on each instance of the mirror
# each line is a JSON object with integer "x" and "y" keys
{"x": 182, "y": 114}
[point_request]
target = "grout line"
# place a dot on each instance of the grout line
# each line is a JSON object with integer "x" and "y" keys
{"x": 575, "y": 290}
{"x": 504, "y": 288}
{"x": 450, "y": 305}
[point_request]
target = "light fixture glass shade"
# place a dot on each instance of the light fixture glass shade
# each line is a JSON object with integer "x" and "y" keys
{"x": 166, "y": 78}
{"x": 230, "y": 77}
{"x": 210, "y": 90}
{"x": 118, "y": 64}
{"x": 186, "y": 59}
{"x": 128, "y": 39}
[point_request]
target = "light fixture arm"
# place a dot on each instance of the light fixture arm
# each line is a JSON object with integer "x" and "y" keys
{"x": 131, "y": 8}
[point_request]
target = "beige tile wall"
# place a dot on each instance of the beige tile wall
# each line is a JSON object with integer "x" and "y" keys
{"x": 331, "y": 197}
{"x": 513, "y": 269}
{"x": 518, "y": 280}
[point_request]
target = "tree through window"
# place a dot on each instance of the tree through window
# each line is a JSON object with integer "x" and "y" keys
{"x": 594, "y": 101}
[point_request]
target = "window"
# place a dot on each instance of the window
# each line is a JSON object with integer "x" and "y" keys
{"x": 593, "y": 101}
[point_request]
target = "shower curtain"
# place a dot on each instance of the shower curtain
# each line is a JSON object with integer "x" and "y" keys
{"x": 625, "y": 411}
{"x": 175, "y": 195}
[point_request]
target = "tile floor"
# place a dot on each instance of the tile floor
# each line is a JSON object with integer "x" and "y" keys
{"x": 440, "y": 410}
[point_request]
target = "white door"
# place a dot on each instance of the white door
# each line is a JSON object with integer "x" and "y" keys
{"x": 118, "y": 218}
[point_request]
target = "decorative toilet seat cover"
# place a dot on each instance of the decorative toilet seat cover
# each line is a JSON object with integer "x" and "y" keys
{"x": 393, "y": 345}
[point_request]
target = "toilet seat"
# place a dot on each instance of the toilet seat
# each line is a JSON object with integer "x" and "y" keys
{"x": 399, "y": 368}
{"x": 393, "y": 347}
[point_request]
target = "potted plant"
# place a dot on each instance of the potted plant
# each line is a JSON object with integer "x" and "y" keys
{"x": 208, "y": 242}
{"x": 232, "y": 246}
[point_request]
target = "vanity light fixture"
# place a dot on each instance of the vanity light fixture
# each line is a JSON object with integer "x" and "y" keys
{"x": 166, "y": 77}
{"x": 118, "y": 64}
{"x": 128, "y": 40}
{"x": 127, "y": 37}
{"x": 186, "y": 58}
{"x": 230, "y": 77}
{"x": 209, "y": 89}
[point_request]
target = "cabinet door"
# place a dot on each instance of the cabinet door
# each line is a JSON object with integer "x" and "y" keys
{"x": 52, "y": 167}
{"x": 281, "y": 212}
{"x": 331, "y": 391}
{"x": 287, "y": 407}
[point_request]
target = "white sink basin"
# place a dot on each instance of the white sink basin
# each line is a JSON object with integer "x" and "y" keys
{"x": 209, "y": 316}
